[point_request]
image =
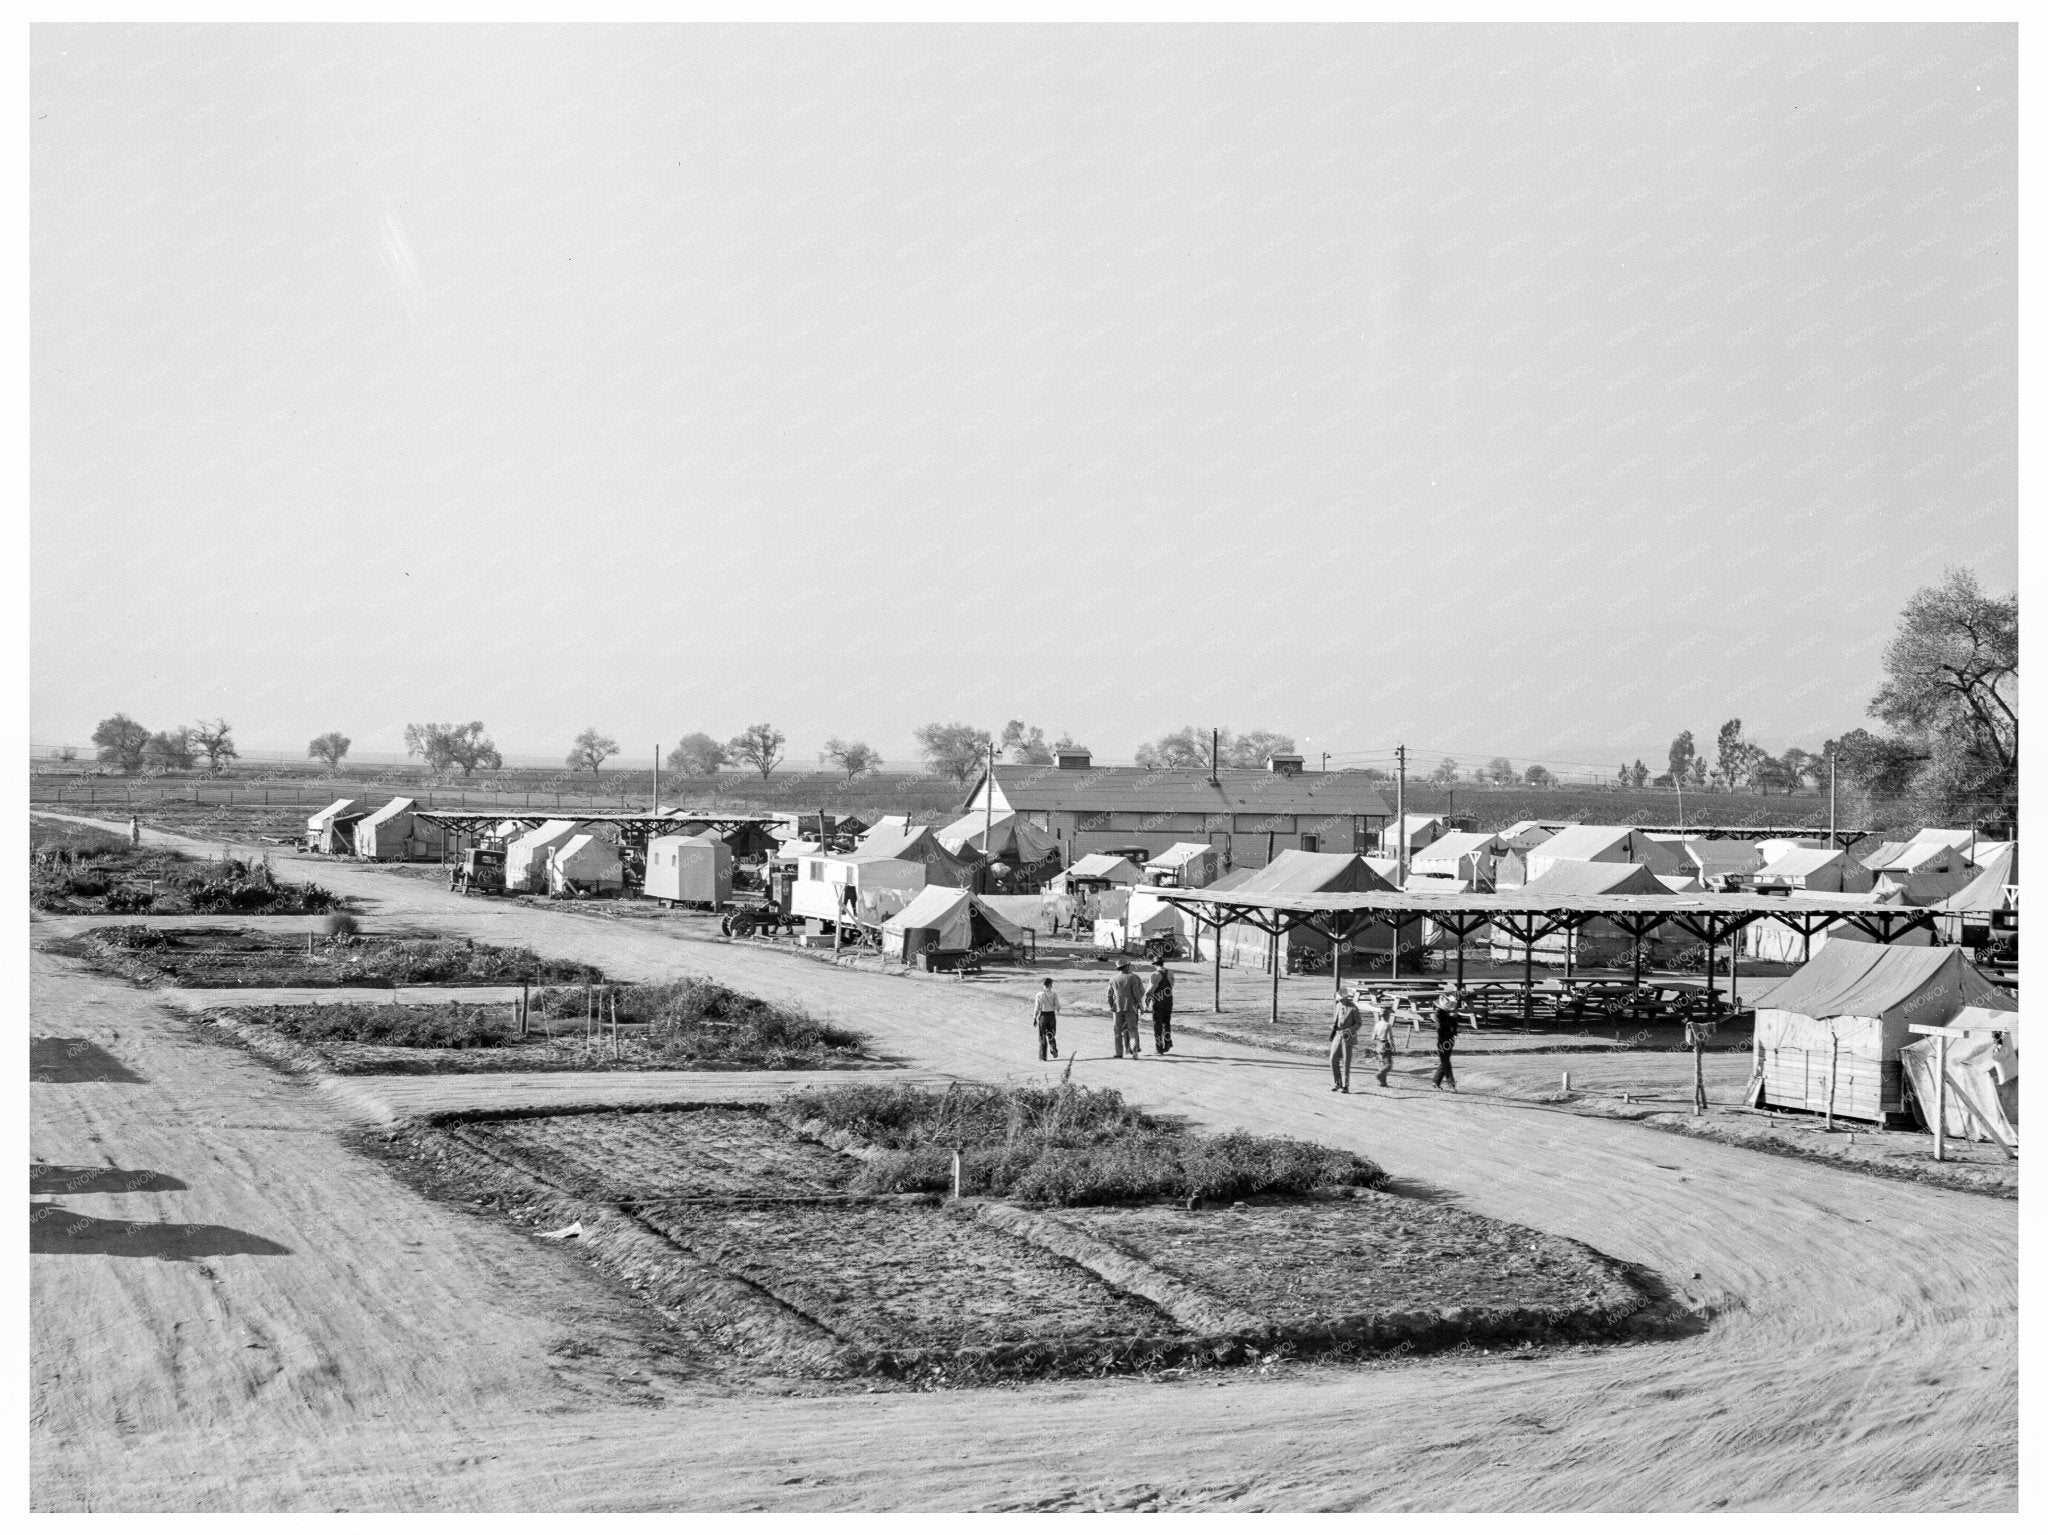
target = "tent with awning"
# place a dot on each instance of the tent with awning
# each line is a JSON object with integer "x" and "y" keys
{"x": 921, "y": 845}
{"x": 940, "y": 917}
{"x": 1009, "y": 838}
{"x": 1828, "y": 1037}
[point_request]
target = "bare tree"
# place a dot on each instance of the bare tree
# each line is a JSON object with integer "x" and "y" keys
{"x": 590, "y": 751}
{"x": 956, "y": 750}
{"x": 215, "y": 739}
{"x": 852, "y": 758}
{"x": 759, "y": 746}
{"x": 446, "y": 746}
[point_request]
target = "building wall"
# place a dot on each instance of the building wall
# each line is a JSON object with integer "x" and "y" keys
{"x": 1242, "y": 842}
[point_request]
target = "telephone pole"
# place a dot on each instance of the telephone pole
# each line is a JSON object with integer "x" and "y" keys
{"x": 1832, "y": 842}
{"x": 1400, "y": 849}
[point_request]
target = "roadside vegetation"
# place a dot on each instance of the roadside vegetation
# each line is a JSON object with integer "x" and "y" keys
{"x": 80, "y": 869}
{"x": 1064, "y": 1145}
{"x": 230, "y": 957}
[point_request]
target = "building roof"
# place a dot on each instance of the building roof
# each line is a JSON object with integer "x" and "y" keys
{"x": 1867, "y": 980}
{"x": 397, "y": 807}
{"x": 1237, "y": 791}
{"x": 1411, "y": 824}
{"x": 1572, "y": 877}
{"x": 340, "y": 807}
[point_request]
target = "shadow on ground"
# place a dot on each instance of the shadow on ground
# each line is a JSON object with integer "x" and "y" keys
{"x": 52, "y": 1229}
{"x": 53, "y": 1178}
{"x": 52, "y": 1058}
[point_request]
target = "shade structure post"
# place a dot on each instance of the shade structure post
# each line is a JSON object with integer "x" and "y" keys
{"x": 1275, "y": 951}
{"x": 1461, "y": 937}
{"x": 1528, "y": 972}
{"x": 1216, "y": 962}
{"x": 1336, "y": 964}
{"x": 1941, "y": 1097}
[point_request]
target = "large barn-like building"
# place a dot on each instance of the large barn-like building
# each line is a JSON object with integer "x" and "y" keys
{"x": 1249, "y": 815}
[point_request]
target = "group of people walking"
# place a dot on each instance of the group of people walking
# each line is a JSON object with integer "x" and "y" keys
{"x": 1128, "y": 998}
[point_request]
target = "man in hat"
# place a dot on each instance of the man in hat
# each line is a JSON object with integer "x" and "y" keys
{"x": 1447, "y": 1002}
{"x": 1126, "y": 996}
{"x": 1343, "y": 1040}
{"x": 1159, "y": 997}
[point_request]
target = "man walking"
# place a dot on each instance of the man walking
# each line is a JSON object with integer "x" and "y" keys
{"x": 1446, "y": 1036}
{"x": 1159, "y": 997}
{"x": 1126, "y": 995}
{"x": 1045, "y": 1013}
{"x": 1343, "y": 1040}
{"x": 1383, "y": 1036}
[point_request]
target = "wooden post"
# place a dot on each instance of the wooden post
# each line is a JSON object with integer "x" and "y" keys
{"x": 1941, "y": 1097}
{"x": 1336, "y": 965}
{"x": 1528, "y": 973}
{"x": 956, "y": 1172}
{"x": 1834, "y": 1071}
{"x": 522, "y": 1010}
{"x": 1216, "y": 956}
{"x": 615, "y": 1024}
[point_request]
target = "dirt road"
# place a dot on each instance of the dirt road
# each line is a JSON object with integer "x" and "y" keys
{"x": 1861, "y": 1351}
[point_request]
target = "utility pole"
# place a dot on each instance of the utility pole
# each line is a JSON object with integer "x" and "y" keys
{"x": 1400, "y": 849}
{"x": 988, "y": 820}
{"x": 1831, "y": 801}
{"x": 1326, "y": 762}
{"x": 657, "y": 777}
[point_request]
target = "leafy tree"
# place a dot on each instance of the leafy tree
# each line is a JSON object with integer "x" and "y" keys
{"x": 1799, "y": 767}
{"x": 1251, "y": 749}
{"x": 1682, "y": 756}
{"x": 67, "y": 753}
{"x": 1539, "y": 776}
{"x": 170, "y": 749}
{"x": 1951, "y": 689}
{"x": 1639, "y": 774}
{"x": 1696, "y": 771}
{"x": 1735, "y": 760}
{"x": 119, "y": 742}
{"x": 1187, "y": 747}
{"x": 1445, "y": 773}
{"x": 698, "y": 756}
{"x": 330, "y": 748}
{"x": 759, "y": 747}
{"x": 1024, "y": 746}
{"x": 1621, "y": 775}
{"x": 445, "y": 746}
{"x": 1878, "y": 765}
{"x": 215, "y": 739}
{"x": 957, "y": 751}
{"x": 1067, "y": 743}
{"x": 590, "y": 751}
{"x": 1501, "y": 771}
{"x": 852, "y": 758}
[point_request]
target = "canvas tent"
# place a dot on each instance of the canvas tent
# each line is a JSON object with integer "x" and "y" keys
{"x": 1008, "y": 839}
{"x": 1605, "y": 844}
{"x": 695, "y": 869}
{"x": 1924, "y": 873}
{"x": 1980, "y": 1068}
{"x": 1523, "y": 835}
{"x": 940, "y": 917}
{"x": 1417, "y": 831}
{"x": 1819, "y": 869}
{"x": 1297, "y": 873}
{"x": 1598, "y": 941}
{"x": 1722, "y": 863}
{"x": 1829, "y": 1036}
{"x": 1184, "y": 866}
{"x": 333, "y": 830}
{"x": 921, "y": 845}
{"x": 1097, "y": 871}
{"x": 1780, "y": 942}
{"x": 392, "y": 833}
{"x": 1957, "y": 839}
{"x": 526, "y": 859}
{"x": 585, "y": 865}
{"x": 1465, "y": 856}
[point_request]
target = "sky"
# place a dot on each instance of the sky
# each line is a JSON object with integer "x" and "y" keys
{"x": 1540, "y": 391}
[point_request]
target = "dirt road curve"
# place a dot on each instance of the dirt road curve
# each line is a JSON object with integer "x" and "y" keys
{"x": 400, "y": 1354}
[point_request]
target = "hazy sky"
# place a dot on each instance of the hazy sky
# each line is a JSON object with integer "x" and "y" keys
{"x": 1536, "y": 390}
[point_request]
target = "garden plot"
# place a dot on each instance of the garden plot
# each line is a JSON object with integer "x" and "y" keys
{"x": 83, "y": 870}
{"x": 1325, "y": 1264}
{"x": 668, "y": 1154}
{"x": 231, "y": 956}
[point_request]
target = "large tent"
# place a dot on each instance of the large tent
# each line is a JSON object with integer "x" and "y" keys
{"x": 1597, "y": 941}
{"x": 1980, "y": 1096}
{"x": 1294, "y": 872}
{"x": 1008, "y": 838}
{"x": 1828, "y": 1037}
{"x": 332, "y": 830}
{"x": 1184, "y": 866}
{"x": 393, "y": 832}
{"x": 1465, "y": 856}
{"x": 1813, "y": 868}
{"x": 526, "y": 857}
{"x": 585, "y": 865}
{"x": 1606, "y": 844}
{"x": 921, "y": 845}
{"x": 939, "y": 917}
{"x": 1785, "y": 943}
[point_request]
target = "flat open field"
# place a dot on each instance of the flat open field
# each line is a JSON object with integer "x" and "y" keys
{"x": 1857, "y": 1348}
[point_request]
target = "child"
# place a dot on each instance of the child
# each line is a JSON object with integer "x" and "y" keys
{"x": 1045, "y": 1013}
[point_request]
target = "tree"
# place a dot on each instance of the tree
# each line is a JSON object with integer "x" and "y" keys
{"x": 1800, "y": 767}
{"x": 1251, "y": 749}
{"x": 1639, "y": 774}
{"x": 119, "y": 742}
{"x": 67, "y": 753}
{"x": 215, "y": 739}
{"x": 1539, "y": 776}
{"x": 1621, "y": 775}
{"x": 1697, "y": 772}
{"x": 1951, "y": 689}
{"x": 590, "y": 751}
{"x": 1501, "y": 771}
{"x": 169, "y": 749}
{"x": 445, "y": 746}
{"x": 698, "y": 756}
{"x": 957, "y": 751}
{"x": 1445, "y": 773}
{"x": 1735, "y": 759}
{"x": 1023, "y": 746}
{"x": 1878, "y": 765}
{"x": 852, "y": 758}
{"x": 759, "y": 746}
{"x": 1187, "y": 747}
{"x": 1681, "y": 757}
{"x": 330, "y": 748}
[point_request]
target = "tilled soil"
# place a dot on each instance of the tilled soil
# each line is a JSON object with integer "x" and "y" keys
{"x": 902, "y": 1276}
{"x": 672, "y": 1154}
{"x": 1301, "y": 1264}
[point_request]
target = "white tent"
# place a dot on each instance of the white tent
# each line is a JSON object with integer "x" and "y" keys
{"x": 1007, "y": 838}
{"x": 1184, "y": 866}
{"x": 526, "y": 859}
{"x": 1097, "y": 869}
{"x": 943, "y": 917}
{"x": 392, "y": 832}
{"x": 327, "y": 831}
{"x": 1829, "y": 1036}
{"x": 1819, "y": 869}
{"x": 1607, "y": 844}
{"x": 1465, "y": 856}
{"x": 585, "y": 863}
{"x": 1770, "y": 939}
{"x": 1980, "y": 1099}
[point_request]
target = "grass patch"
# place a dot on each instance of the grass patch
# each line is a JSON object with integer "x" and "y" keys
{"x": 441, "y": 1026}
{"x": 81, "y": 869}
{"x": 696, "y": 1019}
{"x": 225, "y": 957}
{"x": 1064, "y": 1145}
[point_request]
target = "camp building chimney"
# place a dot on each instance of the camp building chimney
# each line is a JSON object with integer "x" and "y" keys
{"x": 1072, "y": 757}
{"x": 1286, "y": 764}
